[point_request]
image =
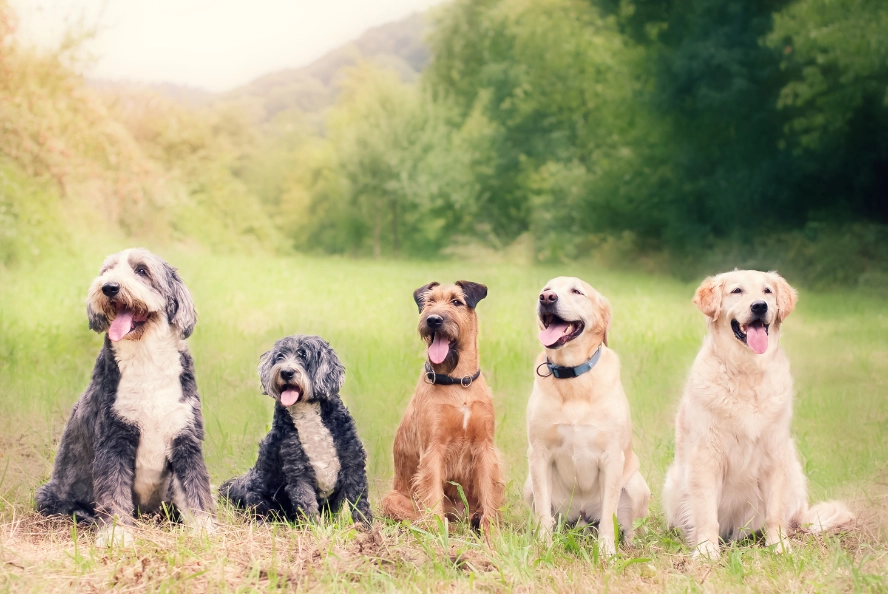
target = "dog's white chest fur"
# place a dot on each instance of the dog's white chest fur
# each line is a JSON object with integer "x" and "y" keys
{"x": 577, "y": 457}
{"x": 317, "y": 443}
{"x": 150, "y": 396}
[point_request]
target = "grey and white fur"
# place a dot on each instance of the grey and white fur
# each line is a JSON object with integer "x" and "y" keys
{"x": 134, "y": 439}
{"x": 312, "y": 460}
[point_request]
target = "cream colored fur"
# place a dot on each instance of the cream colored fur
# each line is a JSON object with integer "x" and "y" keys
{"x": 736, "y": 469}
{"x": 580, "y": 458}
{"x": 317, "y": 443}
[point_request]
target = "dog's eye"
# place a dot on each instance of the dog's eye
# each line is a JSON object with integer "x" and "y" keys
{"x": 301, "y": 353}
{"x": 767, "y": 291}
{"x": 141, "y": 271}
{"x": 576, "y": 291}
{"x": 737, "y": 291}
{"x": 279, "y": 357}
{"x": 456, "y": 302}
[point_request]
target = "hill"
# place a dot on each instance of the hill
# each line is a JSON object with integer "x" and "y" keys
{"x": 398, "y": 46}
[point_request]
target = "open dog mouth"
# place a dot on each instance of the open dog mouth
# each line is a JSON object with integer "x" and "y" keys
{"x": 126, "y": 322}
{"x": 439, "y": 348}
{"x": 754, "y": 335}
{"x": 557, "y": 332}
{"x": 290, "y": 394}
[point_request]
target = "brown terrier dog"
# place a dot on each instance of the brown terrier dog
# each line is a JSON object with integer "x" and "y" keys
{"x": 446, "y": 435}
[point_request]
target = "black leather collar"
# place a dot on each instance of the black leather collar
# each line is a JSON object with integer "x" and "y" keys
{"x": 560, "y": 372}
{"x": 445, "y": 380}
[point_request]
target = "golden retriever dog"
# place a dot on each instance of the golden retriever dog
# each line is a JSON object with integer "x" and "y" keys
{"x": 446, "y": 435}
{"x": 580, "y": 456}
{"x": 736, "y": 471}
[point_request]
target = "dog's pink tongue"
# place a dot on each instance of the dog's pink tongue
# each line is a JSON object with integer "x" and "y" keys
{"x": 289, "y": 397}
{"x": 550, "y": 335}
{"x": 121, "y": 325}
{"x": 438, "y": 349}
{"x": 757, "y": 338}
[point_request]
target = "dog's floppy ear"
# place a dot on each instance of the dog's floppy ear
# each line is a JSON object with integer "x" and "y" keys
{"x": 419, "y": 294}
{"x": 474, "y": 292}
{"x": 709, "y": 296}
{"x": 98, "y": 322}
{"x": 180, "y": 307}
{"x": 264, "y": 369}
{"x": 786, "y": 296}
{"x": 606, "y": 314}
{"x": 330, "y": 375}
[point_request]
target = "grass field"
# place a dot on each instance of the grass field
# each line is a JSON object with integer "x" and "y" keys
{"x": 838, "y": 344}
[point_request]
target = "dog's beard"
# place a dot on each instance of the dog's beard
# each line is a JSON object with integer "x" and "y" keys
{"x": 129, "y": 318}
{"x": 439, "y": 348}
{"x": 293, "y": 390}
{"x": 126, "y": 323}
{"x": 291, "y": 395}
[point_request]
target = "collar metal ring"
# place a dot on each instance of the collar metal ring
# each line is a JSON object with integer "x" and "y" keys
{"x": 466, "y": 381}
{"x": 546, "y": 363}
{"x": 430, "y": 377}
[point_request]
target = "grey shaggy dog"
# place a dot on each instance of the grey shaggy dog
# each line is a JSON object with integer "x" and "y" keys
{"x": 133, "y": 442}
{"x": 312, "y": 460}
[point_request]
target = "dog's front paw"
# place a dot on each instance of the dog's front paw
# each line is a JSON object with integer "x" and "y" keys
{"x": 707, "y": 550}
{"x": 545, "y": 527}
{"x": 114, "y": 535}
{"x": 776, "y": 539}
{"x": 203, "y": 525}
{"x": 607, "y": 547}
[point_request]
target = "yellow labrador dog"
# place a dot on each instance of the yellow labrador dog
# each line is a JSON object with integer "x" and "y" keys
{"x": 736, "y": 471}
{"x": 582, "y": 466}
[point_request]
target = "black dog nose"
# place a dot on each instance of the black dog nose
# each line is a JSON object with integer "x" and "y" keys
{"x": 110, "y": 289}
{"x": 548, "y": 297}
{"x": 434, "y": 322}
{"x": 288, "y": 374}
{"x": 759, "y": 307}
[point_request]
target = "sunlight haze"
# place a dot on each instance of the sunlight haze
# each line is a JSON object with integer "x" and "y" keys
{"x": 211, "y": 44}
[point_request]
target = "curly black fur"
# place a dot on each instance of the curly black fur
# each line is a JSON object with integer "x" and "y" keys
{"x": 283, "y": 483}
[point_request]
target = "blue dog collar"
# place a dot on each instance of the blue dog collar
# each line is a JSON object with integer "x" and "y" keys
{"x": 560, "y": 372}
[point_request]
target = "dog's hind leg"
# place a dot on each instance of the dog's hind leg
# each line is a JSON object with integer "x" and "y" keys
{"x": 634, "y": 500}
{"x": 235, "y": 490}
{"x": 49, "y": 503}
{"x": 191, "y": 482}
{"x": 305, "y": 501}
{"x": 400, "y": 507}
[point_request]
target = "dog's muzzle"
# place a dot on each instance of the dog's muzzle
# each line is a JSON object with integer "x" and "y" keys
{"x": 557, "y": 331}
{"x": 753, "y": 334}
{"x": 289, "y": 386}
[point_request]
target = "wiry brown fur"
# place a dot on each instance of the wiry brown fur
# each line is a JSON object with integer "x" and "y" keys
{"x": 447, "y": 432}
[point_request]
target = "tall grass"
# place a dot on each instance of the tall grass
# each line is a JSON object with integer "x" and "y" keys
{"x": 836, "y": 342}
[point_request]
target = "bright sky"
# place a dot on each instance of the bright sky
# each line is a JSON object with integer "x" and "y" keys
{"x": 210, "y": 44}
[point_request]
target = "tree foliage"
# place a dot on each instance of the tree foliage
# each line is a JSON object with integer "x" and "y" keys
{"x": 665, "y": 126}
{"x": 683, "y": 123}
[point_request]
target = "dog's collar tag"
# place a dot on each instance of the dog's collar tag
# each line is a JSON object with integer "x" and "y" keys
{"x": 560, "y": 372}
{"x": 445, "y": 380}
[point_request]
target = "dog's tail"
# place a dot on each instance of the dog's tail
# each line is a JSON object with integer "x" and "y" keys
{"x": 826, "y": 515}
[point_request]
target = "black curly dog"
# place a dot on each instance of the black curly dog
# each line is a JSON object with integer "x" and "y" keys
{"x": 312, "y": 460}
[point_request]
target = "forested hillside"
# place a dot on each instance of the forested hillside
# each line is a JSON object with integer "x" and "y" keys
{"x": 686, "y": 136}
{"x": 680, "y": 135}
